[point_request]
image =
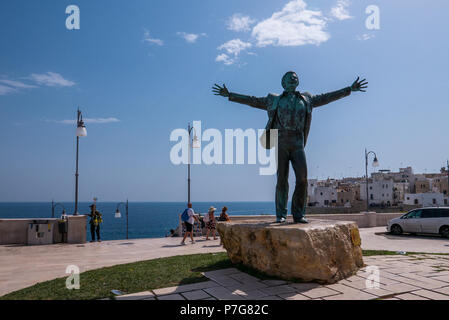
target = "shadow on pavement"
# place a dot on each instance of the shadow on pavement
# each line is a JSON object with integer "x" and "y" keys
{"x": 410, "y": 236}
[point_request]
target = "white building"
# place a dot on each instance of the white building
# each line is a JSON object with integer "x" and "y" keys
{"x": 325, "y": 196}
{"x": 429, "y": 199}
{"x": 311, "y": 185}
{"x": 380, "y": 192}
{"x": 399, "y": 191}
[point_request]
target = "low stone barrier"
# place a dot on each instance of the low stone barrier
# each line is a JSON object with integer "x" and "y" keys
{"x": 15, "y": 231}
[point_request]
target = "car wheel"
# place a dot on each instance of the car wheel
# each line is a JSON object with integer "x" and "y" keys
{"x": 396, "y": 229}
{"x": 444, "y": 231}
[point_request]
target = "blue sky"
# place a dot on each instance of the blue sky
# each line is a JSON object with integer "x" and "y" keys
{"x": 140, "y": 71}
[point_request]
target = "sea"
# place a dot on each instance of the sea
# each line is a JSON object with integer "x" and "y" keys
{"x": 145, "y": 219}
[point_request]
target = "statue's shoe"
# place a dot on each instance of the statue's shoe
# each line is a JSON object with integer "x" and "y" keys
{"x": 281, "y": 220}
{"x": 302, "y": 220}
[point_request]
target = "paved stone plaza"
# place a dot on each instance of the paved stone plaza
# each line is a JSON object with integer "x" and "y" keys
{"x": 24, "y": 266}
{"x": 417, "y": 277}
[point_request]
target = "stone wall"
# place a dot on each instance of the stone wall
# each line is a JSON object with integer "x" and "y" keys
{"x": 363, "y": 220}
{"x": 15, "y": 231}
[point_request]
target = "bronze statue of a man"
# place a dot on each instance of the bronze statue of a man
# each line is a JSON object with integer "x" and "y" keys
{"x": 291, "y": 114}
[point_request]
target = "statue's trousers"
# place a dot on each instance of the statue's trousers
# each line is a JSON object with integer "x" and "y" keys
{"x": 291, "y": 149}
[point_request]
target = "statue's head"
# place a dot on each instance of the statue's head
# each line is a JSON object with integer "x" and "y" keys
{"x": 290, "y": 81}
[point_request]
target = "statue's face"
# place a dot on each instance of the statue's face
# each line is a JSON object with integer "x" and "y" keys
{"x": 290, "y": 81}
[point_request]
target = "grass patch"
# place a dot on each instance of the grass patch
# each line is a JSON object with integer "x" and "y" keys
{"x": 143, "y": 276}
{"x": 368, "y": 253}
{"x": 129, "y": 278}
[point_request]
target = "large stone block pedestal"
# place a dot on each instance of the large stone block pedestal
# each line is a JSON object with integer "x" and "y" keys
{"x": 323, "y": 251}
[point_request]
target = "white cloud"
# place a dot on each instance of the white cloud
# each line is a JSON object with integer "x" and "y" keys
{"x": 51, "y": 79}
{"x": 90, "y": 120}
{"x": 5, "y": 90}
{"x": 225, "y": 59}
{"x": 365, "y": 36}
{"x": 17, "y": 84}
{"x": 235, "y": 46}
{"x": 239, "y": 22}
{"x": 190, "y": 37}
{"x": 147, "y": 38}
{"x": 294, "y": 25}
{"x": 10, "y": 86}
{"x": 340, "y": 11}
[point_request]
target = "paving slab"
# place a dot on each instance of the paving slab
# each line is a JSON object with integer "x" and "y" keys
{"x": 185, "y": 288}
{"x": 136, "y": 296}
{"x": 250, "y": 294}
{"x": 222, "y": 293}
{"x": 248, "y": 286}
{"x": 274, "y": 283}
{"x": 196, "y": 295}
{"x": 410, "y": 296}
{"x": 222, "y": 272}
{"x": 278, "y": 289}
{"x": 379, "y": 292}
{"x": 175, "y": 296}
{"x": 444, "y": 290}
{"x": 348, "y": 293}
{"x": 443, "y": 278}
{"x": 431, "y": 294}
{"x": 225, "y": 281}
{"x": 399, "y": 288}
{"x": 244, "y": 277}
{"x": 293, "y": 296}
{"x": 320, "y": 292}
{"x": 271, "y": 298}
{"x": 302, "y": 287}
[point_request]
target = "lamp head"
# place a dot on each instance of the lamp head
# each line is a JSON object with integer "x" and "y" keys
{"x": 196, "y": 142}
{"x": 81, "y": 128}
{"x": 118, "y": 214}
{"x": 375, "y": 162}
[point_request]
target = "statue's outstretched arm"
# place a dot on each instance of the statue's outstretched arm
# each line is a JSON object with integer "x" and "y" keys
{"x": 260, "y": 103}
{"x": 323, "y": 99}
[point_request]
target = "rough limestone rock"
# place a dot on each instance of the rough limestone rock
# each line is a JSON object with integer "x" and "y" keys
{"x": 322, "y": 251}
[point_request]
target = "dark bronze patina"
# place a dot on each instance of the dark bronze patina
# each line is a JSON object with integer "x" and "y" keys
{"x": 291, "y": 114}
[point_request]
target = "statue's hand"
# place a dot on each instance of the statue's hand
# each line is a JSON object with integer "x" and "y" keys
{"x": 220, "y": 91}
{"x": 359, "y": 85}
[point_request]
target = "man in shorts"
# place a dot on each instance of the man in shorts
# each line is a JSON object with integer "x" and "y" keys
{"x": 189, "y": 224}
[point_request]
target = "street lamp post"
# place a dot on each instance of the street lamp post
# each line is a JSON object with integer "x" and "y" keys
{"x": 53, "y": 207}
{"x": 119, "y": 215}
{"x": 447, "y": 193}
{"x": 193, "y": 143}
{"x": 80, "y": 132}
{"x": 375, "y": 164}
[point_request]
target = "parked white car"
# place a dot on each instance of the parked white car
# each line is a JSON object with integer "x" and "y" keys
{"x": 424, "y": 220}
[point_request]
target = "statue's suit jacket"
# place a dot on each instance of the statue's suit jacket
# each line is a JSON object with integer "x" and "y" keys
{"x": 270, "y": 103}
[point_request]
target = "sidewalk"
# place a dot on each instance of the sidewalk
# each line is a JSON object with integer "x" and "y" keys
{"x": 377, "y": 239}
{"x": 420, "y": 277}
{"x": 23, "y": 266}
